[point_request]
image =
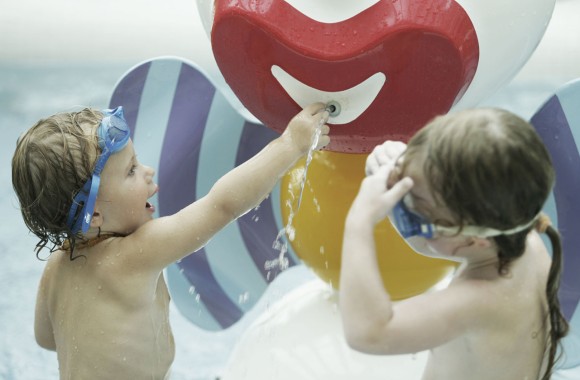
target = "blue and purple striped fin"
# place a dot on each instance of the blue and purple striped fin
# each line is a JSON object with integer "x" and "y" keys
{"x": 185, "y": 128}
{"x": 558, "y": 123}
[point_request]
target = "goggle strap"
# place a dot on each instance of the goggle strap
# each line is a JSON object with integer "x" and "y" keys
{"x": 485, "y": 232}
{"x": 90, "y": 206}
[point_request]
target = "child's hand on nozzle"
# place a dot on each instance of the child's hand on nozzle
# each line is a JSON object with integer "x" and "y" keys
{"x": 302, "y": 127}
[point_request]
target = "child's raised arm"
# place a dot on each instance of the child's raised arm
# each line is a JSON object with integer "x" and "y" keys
{"x": 364, "y": 304}
{"x": 372, "y": 323}
{"x": 170, "y": 238}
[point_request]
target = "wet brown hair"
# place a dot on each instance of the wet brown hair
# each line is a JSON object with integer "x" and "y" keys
{"x": 52, "y": 161}
{"x": 490, "y": 168}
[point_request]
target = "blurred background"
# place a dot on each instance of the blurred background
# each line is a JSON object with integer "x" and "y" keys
{"x": 56, "y": 55}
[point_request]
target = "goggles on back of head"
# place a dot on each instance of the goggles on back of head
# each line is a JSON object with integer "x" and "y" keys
{"x": 411, "y": 224}
{"x": 113, "y": 134}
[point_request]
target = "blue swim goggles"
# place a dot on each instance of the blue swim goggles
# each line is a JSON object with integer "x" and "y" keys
{"x": 113, "y": 135}
{"x": 410, "y": 224}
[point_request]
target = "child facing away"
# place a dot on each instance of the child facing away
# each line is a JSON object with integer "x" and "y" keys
{"x": 102, "y": 302}
{"x": 469, "y": 186}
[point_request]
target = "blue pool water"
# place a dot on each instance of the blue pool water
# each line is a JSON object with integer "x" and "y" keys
{"x": 28, "y": 93}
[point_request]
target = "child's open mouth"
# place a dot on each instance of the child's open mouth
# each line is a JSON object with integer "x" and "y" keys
{"x": 149, "y": 207}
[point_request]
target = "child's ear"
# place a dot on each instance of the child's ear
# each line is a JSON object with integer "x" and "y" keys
{"x": 97, "y": 219}
{"x": 482, "y": 242}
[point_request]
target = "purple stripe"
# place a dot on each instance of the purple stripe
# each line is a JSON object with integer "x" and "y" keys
{"x": 128, "y": 94}
{"x": 553, "y": 127}
{"x": 198, "y": 272}
{"x": 178, "y": 177}
{"x": 258, "y": 227}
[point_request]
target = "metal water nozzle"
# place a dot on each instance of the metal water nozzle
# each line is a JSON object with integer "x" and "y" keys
{"x": 333, "y": 108}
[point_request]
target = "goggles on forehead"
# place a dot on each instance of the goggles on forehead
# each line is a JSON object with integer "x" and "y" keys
{"x": 410, "y": 224}
{"x": 113, "y": 134}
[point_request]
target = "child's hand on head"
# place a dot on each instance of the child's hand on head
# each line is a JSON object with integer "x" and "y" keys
{"x": 376, "y": 198}
{"x": 387, "y": 152}
{"x": 302, "y": 127}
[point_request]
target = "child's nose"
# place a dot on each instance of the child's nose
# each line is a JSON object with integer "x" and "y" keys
{"x": 150, "y": 172}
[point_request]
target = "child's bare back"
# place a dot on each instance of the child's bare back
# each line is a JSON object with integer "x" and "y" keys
{"x": 118, "y": 327}
{"x": 511, "y": 343}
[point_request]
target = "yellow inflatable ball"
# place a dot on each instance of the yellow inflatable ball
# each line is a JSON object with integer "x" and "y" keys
{"x": 333, "y": 180}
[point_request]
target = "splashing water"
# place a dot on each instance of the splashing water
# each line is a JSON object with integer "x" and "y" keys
{"x": 313, "y": 146}
{"x": 281, "y": 263}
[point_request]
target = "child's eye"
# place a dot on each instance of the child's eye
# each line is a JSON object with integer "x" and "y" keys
{"x": 132, "y": 170}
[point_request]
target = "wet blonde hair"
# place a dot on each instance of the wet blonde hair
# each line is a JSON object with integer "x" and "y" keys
{"x": 52, "y": 161}
{"x": 490, "y": 168}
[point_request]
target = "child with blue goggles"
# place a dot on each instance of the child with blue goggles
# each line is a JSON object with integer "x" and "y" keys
{"x": 103, "y": 303}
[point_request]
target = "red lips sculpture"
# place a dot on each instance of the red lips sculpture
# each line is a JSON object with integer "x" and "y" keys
{"x": 426, "y": 51}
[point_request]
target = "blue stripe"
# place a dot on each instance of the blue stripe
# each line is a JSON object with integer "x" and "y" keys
{"x": 184, "y": 296}
{"x": 552, "y": 126}
{"x": 128, "y": 92}
{"x": 569, "y": 97}
{"x": 227, "y": 253}
{"x": 199, "y": 274}
{"x": 178, "y": 176}
{"x": 259, "y": 228}
{"x": 154, "y": 109}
